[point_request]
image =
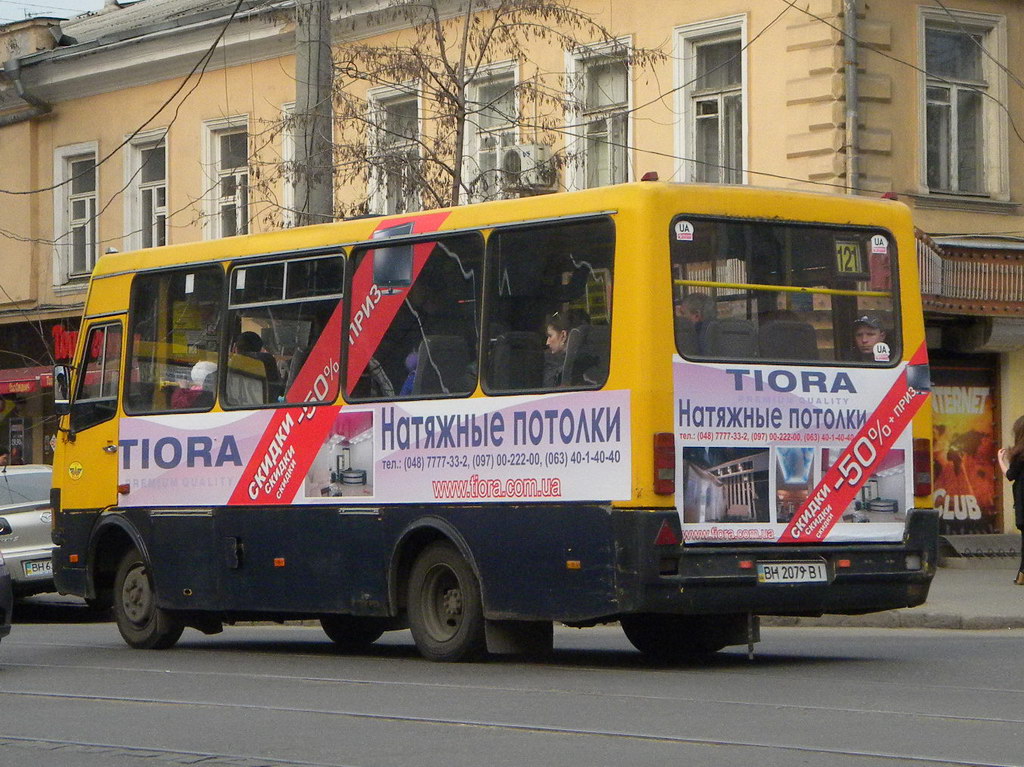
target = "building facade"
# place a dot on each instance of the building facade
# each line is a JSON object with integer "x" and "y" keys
{"x": 172, "y": 121}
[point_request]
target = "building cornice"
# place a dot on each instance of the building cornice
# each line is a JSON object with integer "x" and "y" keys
{"x": 88, "y": 70}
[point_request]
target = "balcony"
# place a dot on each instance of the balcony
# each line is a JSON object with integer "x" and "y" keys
{"x": 973, "y": 277}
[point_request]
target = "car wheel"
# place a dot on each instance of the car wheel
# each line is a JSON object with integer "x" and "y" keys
{"x": 445, "y": 610}
{"x": 142, "y": 624}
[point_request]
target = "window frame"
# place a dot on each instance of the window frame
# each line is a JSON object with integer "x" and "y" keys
{"x": 136, "y": 189}
{"x": 215, "y": 202}
{"x": 229, "y": 306}
{"x": 579, "y": 116}
{"x": 688, "y": 39}
{"x": 994, "y": 152}
{"x": 289, "y": 216}
{"x": 384, "y": 145}
{"x": 357, "y": 252}
{"x": 97, "y": 410}
{"x": 135, "y": 318}
{"x": 63, "y": 219}
{"x": 476, "y": 134}
{"x": 744, "y": 289}
{"x": 492, "y": 290}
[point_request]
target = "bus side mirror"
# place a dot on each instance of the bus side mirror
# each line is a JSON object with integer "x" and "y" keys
{"x": 61, "y": 389}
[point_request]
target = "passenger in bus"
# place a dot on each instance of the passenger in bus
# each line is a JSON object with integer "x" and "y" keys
{"x": 412, "y": 361}
{"x": 556, "y": 337}
{"x": 247, "y": 371}
{"x": 867, "y": 332}
{"x": 200, "y": 393}
{"x": 695, "y": 311}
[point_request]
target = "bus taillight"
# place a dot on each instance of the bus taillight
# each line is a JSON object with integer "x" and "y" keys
{"x": 664, "y": 463}
{"x": 922, "y": 467}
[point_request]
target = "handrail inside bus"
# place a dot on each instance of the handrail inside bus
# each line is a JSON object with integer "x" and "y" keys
{"x": 781, "y": 288}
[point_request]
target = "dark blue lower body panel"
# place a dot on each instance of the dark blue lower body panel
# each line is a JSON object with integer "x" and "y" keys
{"x": 575, "y": 564}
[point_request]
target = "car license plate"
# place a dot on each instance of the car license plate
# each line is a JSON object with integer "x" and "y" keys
{"x": 791, "y": 572}
{"x": 38, "y": 568}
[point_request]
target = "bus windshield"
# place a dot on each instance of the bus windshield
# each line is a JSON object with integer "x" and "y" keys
{"x": 753, "y": 289}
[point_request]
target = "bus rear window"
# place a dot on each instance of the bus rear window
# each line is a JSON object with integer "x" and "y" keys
{"x": 772, "y": 291}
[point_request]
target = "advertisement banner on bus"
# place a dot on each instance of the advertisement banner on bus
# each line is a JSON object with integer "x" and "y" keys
{"x": 768, "y": 453}
{"x": 566, "y": 447}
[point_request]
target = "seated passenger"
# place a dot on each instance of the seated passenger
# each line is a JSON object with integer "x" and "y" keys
{"x": 868, "y": 332}
{"x": 200, "y": 393}
{"x": 557, "y": 335}
{"x": 698, "y": 309}
{"x": 247, "y": 372}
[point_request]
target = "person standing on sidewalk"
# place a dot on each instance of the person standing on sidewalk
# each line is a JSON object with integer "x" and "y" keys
{"x": 1011, "y": 461}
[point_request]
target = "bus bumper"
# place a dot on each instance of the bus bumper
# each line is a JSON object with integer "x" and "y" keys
{"x": 858, "y": 577}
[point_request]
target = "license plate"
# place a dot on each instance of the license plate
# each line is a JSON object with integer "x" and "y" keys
{"x": 37, "y": 568}
{"x": 791, "y": 572}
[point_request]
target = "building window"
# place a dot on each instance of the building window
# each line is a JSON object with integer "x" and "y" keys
{"x": 603, "y": 118}
{"x": 963, "y": 90}
{"x": 228, "y": 171}
{"x": 491, "y": 128}
{"x": 396, "y": 153}
{"x": 289, "y": 216}
{"x": 147, "y": 192}
{"x": 598, "y": 116}
{"x": 76, "y": 185}
{"x": 712, "y": 102}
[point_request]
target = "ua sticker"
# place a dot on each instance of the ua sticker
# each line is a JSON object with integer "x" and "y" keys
{"x": 75, "y": 470}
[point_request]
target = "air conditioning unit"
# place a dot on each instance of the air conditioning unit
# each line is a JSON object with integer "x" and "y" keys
{"x": 527, "y": 168}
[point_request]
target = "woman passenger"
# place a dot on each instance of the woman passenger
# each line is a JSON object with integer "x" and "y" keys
{"x": 557, "y": 337}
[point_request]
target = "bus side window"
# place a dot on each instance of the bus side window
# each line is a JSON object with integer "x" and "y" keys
{"x": 549, "y": 306}
{"x": 284, "y": 321}
{"x": 174, "y": 324}
{"x": 414, "y": 330}
{"x": 99, "y": 378}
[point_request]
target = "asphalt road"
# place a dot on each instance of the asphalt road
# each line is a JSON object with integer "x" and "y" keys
{"x": 71, "y": 693}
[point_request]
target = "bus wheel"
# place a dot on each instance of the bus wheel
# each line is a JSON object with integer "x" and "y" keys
{"x": 445, "y": 612}
{"x": 142, "y": 624}
{"x": 673, "y": 638}
{"x": 351, "y": 633}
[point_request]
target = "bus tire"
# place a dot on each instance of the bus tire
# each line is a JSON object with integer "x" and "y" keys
{"x": 142, "y": 624}
{"x": 351, "y": 633}
{"x": 445, "y": 610}
{"x": 673, "y": 638}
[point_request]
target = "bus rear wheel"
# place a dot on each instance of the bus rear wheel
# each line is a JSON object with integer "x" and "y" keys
{"x": 350, "y": 632}
{"x": 677, "y": 638}
{"x": 445, "y": 610}
{"x": 142, "y": 624}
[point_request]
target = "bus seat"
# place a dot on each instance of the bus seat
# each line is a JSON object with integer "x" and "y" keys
{"x": 517, "y": 361}
{"x": 686, "y": 337}
{"x": 731, "y": 337}
{"x": 586, "y": 356}
{"x": 788, "y": 340}
{"x": 442, "y": 366}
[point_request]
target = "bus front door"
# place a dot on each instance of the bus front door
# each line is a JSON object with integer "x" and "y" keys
{"x": 89, "y": 446}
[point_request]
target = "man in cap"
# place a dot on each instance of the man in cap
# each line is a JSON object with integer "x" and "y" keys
{"x": 867, "y": 331}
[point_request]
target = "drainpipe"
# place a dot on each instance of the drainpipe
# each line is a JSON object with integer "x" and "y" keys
{"x": 852, "y": 94}
{"x": 38, "y": 107}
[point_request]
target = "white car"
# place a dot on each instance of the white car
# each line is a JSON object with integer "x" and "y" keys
{"x": 25, "y": 527}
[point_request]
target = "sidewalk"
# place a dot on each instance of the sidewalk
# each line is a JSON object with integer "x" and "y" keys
{"x": 960, "y": 598}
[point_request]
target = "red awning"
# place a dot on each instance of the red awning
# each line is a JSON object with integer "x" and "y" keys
{"x": 25, "y": 380}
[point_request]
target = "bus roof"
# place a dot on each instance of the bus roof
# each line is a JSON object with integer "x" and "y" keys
{"x": 698, "y": 199}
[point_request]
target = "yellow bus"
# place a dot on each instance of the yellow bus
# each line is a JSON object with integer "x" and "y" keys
{"x": 678, "y": 407}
